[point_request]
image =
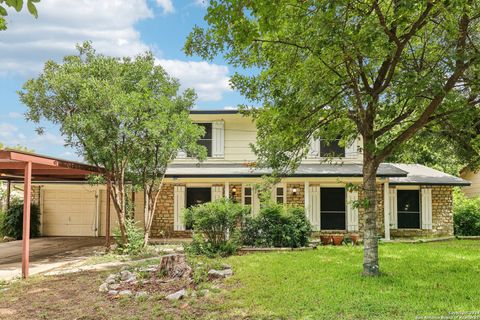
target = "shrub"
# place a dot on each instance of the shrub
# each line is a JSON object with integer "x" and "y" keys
{"x": 215, "y": 227}
{"x": 466, "y": 214}
{"x": 12, "y": 224}
{"x": 277, "y": 226}
{"x": 135, "y": 235}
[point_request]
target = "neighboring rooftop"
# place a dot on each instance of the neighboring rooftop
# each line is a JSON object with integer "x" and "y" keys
{"x": 420, "y": 174}
{"x": 216, "y": 111}
{"x": 305, "y": 170}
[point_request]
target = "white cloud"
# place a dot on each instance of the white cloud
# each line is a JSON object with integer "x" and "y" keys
{"x": 11, "y": 135}
{"x": 209, "y": 80}
{"x": 166, "y": 5}
{"x": 15, "y": 115}
{"x": 29, "y": 42}
{"x": 110, "y": 25}
{"x": 230, "y": 108}
{"x": 201, "y": 3}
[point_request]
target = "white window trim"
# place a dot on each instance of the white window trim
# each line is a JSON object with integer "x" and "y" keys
{"x": 243, "y": 193}
{"x": 420, "y": 200}
{"x": 274, "y": 192}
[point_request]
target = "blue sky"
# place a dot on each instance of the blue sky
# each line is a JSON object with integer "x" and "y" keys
{"x": 116, "y": 27}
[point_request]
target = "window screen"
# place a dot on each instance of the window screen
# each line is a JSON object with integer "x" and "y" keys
{"x": 332, "y": 208}
{"x": 408, "y": 209}
{"x": 331, "y": 148}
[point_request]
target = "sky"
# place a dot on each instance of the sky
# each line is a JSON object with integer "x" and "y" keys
{"x": 115, "y": 27}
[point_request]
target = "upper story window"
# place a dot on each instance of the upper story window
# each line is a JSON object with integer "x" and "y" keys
{"x": 207, "y": 139}
{"x": 331, "y": 148}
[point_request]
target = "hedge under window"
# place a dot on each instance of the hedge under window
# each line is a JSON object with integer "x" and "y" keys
{"x": 408, "y": 209}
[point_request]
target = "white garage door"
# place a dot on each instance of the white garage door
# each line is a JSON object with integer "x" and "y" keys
{"x": 68, "y": 212}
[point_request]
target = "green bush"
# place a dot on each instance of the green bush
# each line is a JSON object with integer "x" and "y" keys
{"x": 215, "y": 227}
{"x": 466, "y": 215}
{"x": 277, "y": 226}
{"x": 12, "y": 222}
{"x": 135, "y": 237}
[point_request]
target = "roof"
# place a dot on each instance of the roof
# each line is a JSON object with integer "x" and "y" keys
{"x": 420, "y": 174}
{"x": 216, "y": 111}
{"x": 203, "y": 170}
{"x": 12, "y": 167}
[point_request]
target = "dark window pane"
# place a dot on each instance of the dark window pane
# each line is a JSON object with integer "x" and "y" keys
{"x": 280, "y": 200}
{"x": 332, "y": 199}
{"x": 198, "y": 196}
{"x": 279, "y": 191}
{"x": 247, "y": 200}
{"x": 332, "y": 208}
{"x": 208, "y": 145}
{"x": 331, "y": 149}
{"x": 408, "y": 209}
{"x": 248, "y": 191}
{"x": 208, "y": 130}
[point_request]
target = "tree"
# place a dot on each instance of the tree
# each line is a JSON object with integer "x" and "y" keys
{"x": 122, "y": 114}
{"x": 17, "y": 5}
{"x": 383, "y": 69}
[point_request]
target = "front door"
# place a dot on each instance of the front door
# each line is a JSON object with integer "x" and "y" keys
{"x": 332, "y": 208}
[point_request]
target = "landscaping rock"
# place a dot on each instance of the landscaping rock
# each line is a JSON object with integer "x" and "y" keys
{"x": 125, "y": 293}
{"x": 219, "y": 274}
{"x": 114, "y": 286}
{"x": 177, "y": 295}
{"x": 7, "y": 239}
{"x": 113, "y": 292}
{"x": 111, "y": 279}
{"x": 149, "y": 269}
{"x": 226, "y": 266}
{"x": 126, "y": 276}
{"x": 103, "y": 287}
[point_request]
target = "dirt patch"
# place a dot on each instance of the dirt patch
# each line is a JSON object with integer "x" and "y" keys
{"x": 76, "y": 296}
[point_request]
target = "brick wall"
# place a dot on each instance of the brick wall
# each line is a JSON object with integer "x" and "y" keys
{"x": 442, "y": 215}
{"x": 163, "y": 220}
{"x": 442, "y": 218}
{"x": 297, "y": 199}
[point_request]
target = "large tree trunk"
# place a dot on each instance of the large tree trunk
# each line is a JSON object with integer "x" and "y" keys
{"x": 370, "y": 240}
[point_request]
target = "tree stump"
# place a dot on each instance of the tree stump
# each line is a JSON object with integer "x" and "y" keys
{"x": 175, "y": 266}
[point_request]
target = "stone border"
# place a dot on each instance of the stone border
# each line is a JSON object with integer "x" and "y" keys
{"x": 281, "y": 249}
{"x": 468, "y": 237}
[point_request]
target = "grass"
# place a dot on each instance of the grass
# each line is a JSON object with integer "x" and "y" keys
{"x": 418, "y": 280}
{"x": 427, "y": 279}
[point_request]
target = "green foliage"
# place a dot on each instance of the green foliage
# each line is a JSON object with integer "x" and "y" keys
{"x": 12, "y": 224}
{"x": 135, "y": 236}
{"x": 123, "y": 114}
{"x": 215, "y": 225}
{"x": 17, "y": 5}
{"x": 466, "y": 214}
{"x": 277, "y": 226}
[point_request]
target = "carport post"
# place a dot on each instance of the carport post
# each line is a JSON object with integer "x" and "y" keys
{"x": 27, "y": 192}
{"x": 107, "y": 215}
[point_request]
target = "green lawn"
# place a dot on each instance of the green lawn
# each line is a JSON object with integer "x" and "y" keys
{"x": 427, "y": 279}
{"x": 419, "y": 279}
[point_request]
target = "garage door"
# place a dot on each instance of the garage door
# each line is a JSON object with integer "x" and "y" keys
{"x": 69, "y": 212}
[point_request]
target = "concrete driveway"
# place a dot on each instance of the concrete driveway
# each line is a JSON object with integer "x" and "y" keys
{"x": 45, "y": 254}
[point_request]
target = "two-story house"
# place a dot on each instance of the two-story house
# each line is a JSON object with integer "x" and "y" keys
{"x": 413, "y": 200}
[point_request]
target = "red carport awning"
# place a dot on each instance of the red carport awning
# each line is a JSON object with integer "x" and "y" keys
{"x": 19, "y": 165}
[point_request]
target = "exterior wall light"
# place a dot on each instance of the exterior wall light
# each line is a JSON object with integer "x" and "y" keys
{"x": 234, "y": 192}
{"x": 294, "y": 191}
